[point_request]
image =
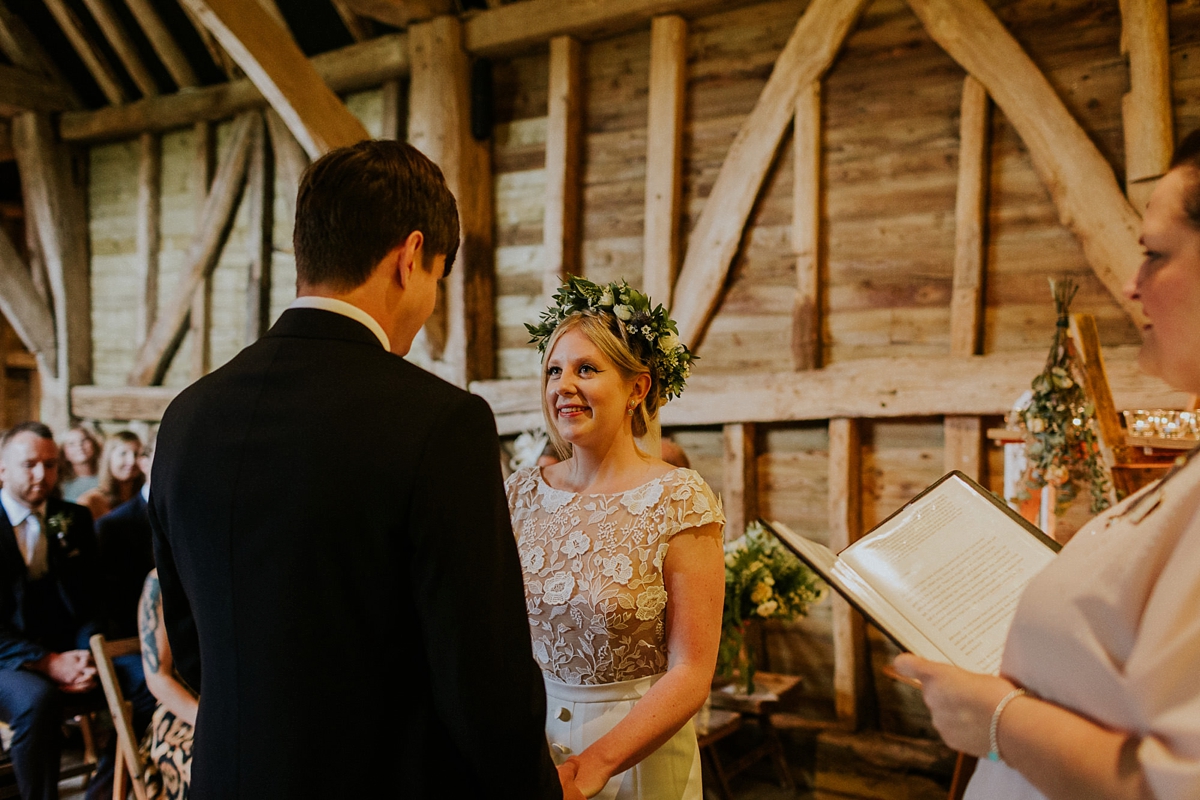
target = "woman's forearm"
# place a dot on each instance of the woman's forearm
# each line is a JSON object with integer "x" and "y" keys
{"x": 1068, "y": 757}
{"x": 658, "y": 716}
{"x": 172, "y": 694}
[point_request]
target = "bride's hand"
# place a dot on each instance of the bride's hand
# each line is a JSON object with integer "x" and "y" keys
{"x": 589, "y": 777}
{"x": 566, "y": 777}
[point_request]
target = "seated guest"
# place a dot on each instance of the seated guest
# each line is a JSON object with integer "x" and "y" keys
{"x": 78, "y": 463}
{"x": 126, "y": 556}
{"x": 1097, "y": 695}
{"x": 167, "y": 749}
{"x": 120, "y": 478}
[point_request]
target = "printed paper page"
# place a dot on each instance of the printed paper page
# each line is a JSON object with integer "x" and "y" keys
{"x": 955, "y": 565}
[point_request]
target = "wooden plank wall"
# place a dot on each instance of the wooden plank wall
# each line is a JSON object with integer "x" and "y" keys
{"x": 890, "y": 119}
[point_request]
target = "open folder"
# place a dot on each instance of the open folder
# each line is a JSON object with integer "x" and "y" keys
{"x": 942, "y": 576}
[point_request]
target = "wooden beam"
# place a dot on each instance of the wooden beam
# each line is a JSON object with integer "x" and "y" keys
{"x": 25, "y": 310}
{"x": 261, "y": 202}
{"x": 963, "y": 434}
{"x": 149, "y": 209}
{"x": 966, "y": 302}
{"x": 270, "y": 57}
{"x": 1079, "y": 179}
{"x": 714, "y": 241}
{"x": 154, "y": 356}
{"x": 122, "y": 45}
{"x": 395, "y": 110}
{"x": 22, "y": 90}
{"x": 740, "y": 492}
{"x": 204, "y": 151}
{"x": 851, "y": 661}
{"x": 868, "y": 388}
{"x": 55, "y": 202}
{"x": 359, "y": 66}
{"x": 359, "y": 28}
{"x": 146, "y": 403}
{"x": 220, "y": 58}
{"x": 95, "y": 62}
{"x": 564, "y": 166}
{"x": 1146, "y": 109}
{"x": 806, "y": 228}
{"x": 517, "y": 27}
{"x": 163, "y": 43}
{"x": 24, "y": 51}
{"x": 439, "y": 126}
{"x": 289, "y": 157}
{"x": 664, "y": 156}
{"x": 400, "y": 13}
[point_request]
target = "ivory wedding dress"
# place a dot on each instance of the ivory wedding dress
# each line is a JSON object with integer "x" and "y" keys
{"x": 597, "y": 608}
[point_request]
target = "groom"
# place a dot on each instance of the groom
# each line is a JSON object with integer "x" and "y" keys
{"x": 339, "y": 577}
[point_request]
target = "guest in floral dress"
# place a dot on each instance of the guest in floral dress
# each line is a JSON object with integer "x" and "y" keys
{"x": 167, "y": 749}
{"x": 621, "y": 553}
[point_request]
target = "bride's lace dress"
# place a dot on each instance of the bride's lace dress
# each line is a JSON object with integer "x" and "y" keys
{"x": 593, "y": 567}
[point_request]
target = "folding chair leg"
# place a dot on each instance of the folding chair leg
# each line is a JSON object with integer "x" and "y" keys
{"x": 120, "y": 787}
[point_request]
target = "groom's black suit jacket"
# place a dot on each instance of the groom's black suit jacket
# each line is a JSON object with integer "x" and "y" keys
{"x": 340, "y": 580}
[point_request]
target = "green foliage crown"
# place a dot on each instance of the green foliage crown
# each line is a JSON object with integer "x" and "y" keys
{"x": 651, "y": 334}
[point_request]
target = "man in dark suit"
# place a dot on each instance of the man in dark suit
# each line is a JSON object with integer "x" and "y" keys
{"x": 126, "y": 556}
{"x": 339, "y": 577}
{"x": 47, "y": 601}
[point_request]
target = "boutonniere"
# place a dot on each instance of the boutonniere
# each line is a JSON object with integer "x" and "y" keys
{"x": 60, "y": 526}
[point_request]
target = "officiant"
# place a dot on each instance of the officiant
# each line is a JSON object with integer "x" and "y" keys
{"x": 1097, "y": 695}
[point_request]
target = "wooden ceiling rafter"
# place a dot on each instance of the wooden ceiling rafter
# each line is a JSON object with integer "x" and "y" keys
{"x": 93, "y": 59}
{"x": 24, "y": 50}
{"x": 163, "y": 43}
{"x": 360, "y": 28}
{"x": 23, "y": 90}
{"x": 270, "y": 57}
{"x": 122, "y": 45}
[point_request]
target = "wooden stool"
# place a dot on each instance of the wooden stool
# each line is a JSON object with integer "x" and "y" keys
{"x": 771, "y": 689}
{"x": 720, "y": 724}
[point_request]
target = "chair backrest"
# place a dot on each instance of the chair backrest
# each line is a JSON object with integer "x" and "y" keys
{"x": 103, "y": 652}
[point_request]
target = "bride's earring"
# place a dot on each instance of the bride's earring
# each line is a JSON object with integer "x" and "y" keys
{"x": 629, "y": 409}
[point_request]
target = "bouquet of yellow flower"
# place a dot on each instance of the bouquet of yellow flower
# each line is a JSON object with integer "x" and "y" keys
{"x": 763, "y": 580}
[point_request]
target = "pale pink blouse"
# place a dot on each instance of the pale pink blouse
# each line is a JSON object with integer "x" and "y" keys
{"x": 1111, "y": 630}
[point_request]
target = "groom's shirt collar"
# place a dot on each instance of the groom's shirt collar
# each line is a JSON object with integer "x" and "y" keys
{"x": 346, "y": 310}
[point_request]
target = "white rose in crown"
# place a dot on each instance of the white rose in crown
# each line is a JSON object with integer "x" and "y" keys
{"x": 668, "y": 342}
{"x": 624, "y": 313}
{"x": 606, "y": 299}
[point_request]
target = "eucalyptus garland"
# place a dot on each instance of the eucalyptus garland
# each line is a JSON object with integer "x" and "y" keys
{"x": 649, "y": 331}
{"x": 1061, "y": 444}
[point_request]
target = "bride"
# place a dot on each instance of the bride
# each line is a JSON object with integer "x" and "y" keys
{"x": 621, "y": 553}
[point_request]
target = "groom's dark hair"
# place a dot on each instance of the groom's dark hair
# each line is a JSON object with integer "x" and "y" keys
{"x": 357, "y": 203}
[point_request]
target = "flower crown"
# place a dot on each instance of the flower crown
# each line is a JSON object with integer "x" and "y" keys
{"x": 659, "y": 346}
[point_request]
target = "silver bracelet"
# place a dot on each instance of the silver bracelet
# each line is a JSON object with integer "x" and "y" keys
{"x": 994, "y": 728}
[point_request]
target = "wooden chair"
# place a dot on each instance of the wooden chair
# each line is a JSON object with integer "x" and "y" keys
{"x": 128, "y": 766}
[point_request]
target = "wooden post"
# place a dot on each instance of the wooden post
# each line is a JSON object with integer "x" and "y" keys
{"x": 26, "y": 311}
{"x": 664, "y": 157}
{"x": 564, "y": 132}
{"x": 741, "y": 478}
{"x": 964, "y": 435}
{"x": 259, "y": 241}
{"x": 851, "y": 661}
{"x": 395, "y": 101}
{"x": 200, "y": 320}
{"x": 806, "y": 229}
{"x": 439, "y": 126}
{"x": 56, "y": 202}
{"x": 149, "y": 207}
{"x": 1146, "y": 109}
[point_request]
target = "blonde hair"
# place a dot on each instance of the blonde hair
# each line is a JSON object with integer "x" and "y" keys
{"x": 608, "y": 334}
{"x": 107, "y": 485}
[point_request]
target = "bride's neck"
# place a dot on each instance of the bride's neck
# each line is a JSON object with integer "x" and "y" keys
{"x": 616, "y": 467}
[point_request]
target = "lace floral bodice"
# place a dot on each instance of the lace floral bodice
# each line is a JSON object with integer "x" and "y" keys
{"x": 593, "y": 572}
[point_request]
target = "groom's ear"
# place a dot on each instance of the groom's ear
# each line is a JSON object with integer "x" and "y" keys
{"x": 408, "y": 256}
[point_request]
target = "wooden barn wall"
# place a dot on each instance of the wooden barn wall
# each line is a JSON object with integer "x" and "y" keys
{"x": 891, "y": 107}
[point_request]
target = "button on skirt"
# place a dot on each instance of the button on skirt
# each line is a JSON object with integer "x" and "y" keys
{"x": 576, "y": 716}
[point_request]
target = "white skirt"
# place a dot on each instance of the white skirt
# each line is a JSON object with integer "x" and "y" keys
{"x": 576, "y": 716}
